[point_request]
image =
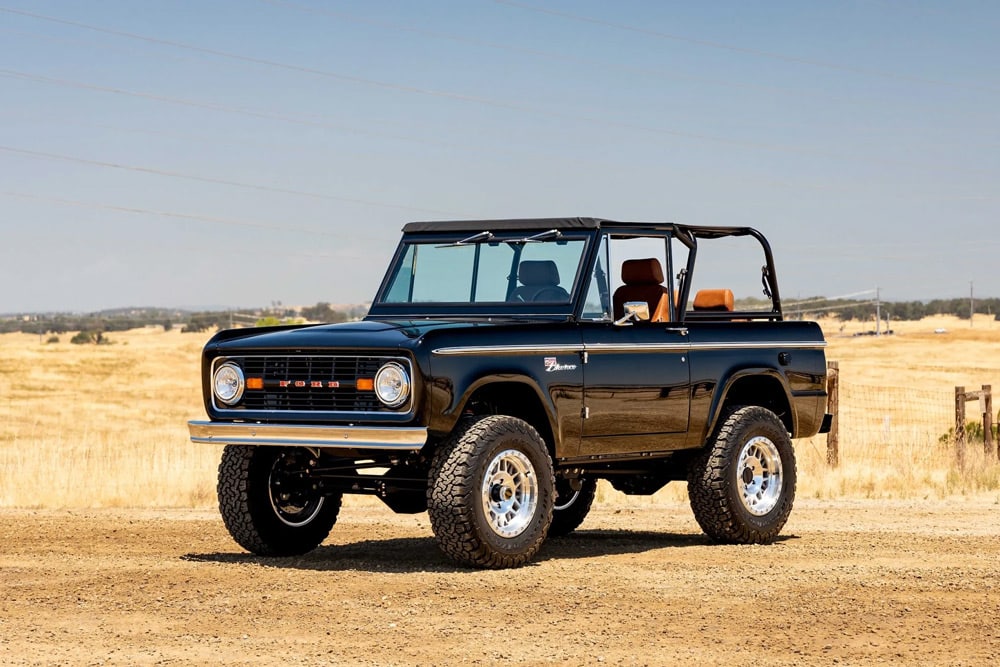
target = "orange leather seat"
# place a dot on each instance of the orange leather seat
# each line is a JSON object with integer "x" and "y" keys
{"x": 714, "y": 299}
{"x": 642, "y": 278}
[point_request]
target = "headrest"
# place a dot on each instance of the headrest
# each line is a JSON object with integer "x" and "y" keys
{"x": 713, "y": 299}
{"x": 642, "y": 271}
{"x": 538, "y": 272}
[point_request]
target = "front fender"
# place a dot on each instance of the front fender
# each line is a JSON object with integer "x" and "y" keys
{"x": 544, "y": 390}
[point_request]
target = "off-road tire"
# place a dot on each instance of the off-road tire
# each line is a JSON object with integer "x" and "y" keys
{"x": 571, "y": 507}
{"x": 250, "y": 514}
{"x": 723, "y": 491}
{"x": 457, "y": 501}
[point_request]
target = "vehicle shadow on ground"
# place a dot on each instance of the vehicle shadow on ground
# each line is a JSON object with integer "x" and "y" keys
{"x": 421, "y": 554}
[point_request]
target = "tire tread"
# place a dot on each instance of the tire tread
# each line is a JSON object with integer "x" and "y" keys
{"x": 711, "y": 492}
{"x": 451, "y": 493}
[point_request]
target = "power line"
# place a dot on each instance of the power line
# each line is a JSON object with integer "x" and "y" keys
{"x": 829, "y": 298}
{"x": 185, "y": 216}
{"x": 744, "y": 50}
{"x": 549, "y": 55}
{"x": 211, "y": 106}
{"x": 502, "y": 104}
{"x": 844, "y": 306}
{"x": 219, "y": 181}
{"x": 274, "y": 116}
{"x": 302, "y": 69}
{"x": 536, "y": 53}
{"x": 596, "y": 121}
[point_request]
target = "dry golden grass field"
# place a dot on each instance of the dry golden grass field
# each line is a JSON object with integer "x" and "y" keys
{"x": 892, "y": 558}
{"x": 105, "y": 426}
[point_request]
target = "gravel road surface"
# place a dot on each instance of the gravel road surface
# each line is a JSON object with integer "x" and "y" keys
{"x": 854, "y": 583}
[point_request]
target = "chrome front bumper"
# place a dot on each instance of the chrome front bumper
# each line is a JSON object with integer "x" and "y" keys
{"x": 286, "y": 435}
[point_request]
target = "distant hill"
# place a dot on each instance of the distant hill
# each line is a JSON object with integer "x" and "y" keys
{"x": 189, "y": 319}
{"x": 203, "y": 318}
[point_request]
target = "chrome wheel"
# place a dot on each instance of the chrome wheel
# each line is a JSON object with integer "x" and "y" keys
{"x": 758, "y": 474}
{"x": 268, "y": 501}
{"x": 490, "y": 490}
{"x": 509, "y": 493}
{"x": 295, "y": 505}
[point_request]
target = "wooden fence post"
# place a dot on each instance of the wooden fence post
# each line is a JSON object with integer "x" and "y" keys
{"x": 987, "y": 406}
{"x": 960, "y": 426}
{"x": 833, "y": 405}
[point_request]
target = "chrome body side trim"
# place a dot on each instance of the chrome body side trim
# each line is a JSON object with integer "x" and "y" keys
{"x": 597, "y": 348}
{"x": 509, "y": 349}
{"x": 783, "y": 344}
{"x": 404, "y": 438}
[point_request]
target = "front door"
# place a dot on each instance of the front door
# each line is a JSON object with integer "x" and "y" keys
{"x": 636, "y": 388}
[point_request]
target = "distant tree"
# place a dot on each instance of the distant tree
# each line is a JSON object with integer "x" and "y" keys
{"x": 272, "y": 321}
{"x": 84, "y": 338}
{"x": 323, "y": 312}
{"x": 90, "y": 338}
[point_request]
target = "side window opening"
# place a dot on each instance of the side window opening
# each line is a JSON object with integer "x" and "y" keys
{"x": 727, "y": 276}
{"x": 640, "y": 274}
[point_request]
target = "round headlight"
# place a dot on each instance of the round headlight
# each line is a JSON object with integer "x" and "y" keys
{"x": 392, "y": 384}
{"x": 228, "y": 383}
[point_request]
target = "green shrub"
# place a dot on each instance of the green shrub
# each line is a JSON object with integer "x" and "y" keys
{"x": 973, "y": 433}
{"x": 90, "y": 338}
{"x": 84, "y": 338}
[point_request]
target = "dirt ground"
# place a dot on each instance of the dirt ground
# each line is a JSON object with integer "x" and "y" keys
{"x": 851, "y": 582}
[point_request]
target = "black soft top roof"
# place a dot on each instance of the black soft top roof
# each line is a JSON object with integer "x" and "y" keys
{"x": 503, "y": 225}
{"x": 529, "y": 224}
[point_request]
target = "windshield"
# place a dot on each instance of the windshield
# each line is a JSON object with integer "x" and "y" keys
{"x": 484, "y": 269}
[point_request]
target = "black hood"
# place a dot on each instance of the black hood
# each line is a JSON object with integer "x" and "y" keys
{"x": 366, "y": 334}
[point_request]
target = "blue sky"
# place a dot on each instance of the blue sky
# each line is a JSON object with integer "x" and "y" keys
{"x": 239, "y": 153}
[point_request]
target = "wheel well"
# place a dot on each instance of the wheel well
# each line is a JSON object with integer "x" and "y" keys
{"x": 764, "y": 391}
{"x": 515, "y": 399}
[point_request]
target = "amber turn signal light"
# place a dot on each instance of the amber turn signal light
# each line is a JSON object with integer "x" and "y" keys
{"x": 255, "y": 383}
{"x": 366, "y": 384}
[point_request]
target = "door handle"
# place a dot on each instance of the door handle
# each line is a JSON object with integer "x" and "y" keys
{"x": 678, "y": 330}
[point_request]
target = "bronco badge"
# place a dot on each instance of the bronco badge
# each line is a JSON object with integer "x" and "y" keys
{"x": 552, "y": 365}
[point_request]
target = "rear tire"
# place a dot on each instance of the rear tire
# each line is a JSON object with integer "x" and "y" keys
{"x": 268, "y": 507}
{"x": 571, "y": 507}
{"x": 490, "y": 492}
{"x": 742, "y": 486}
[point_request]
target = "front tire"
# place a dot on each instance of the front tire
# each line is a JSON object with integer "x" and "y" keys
{"x": 268, "y": 505}
{"x": 491, "y": 492}
{"x": 742, "y": 486}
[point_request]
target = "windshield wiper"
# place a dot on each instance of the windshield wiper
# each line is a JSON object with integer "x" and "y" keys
{"x": 543, "y": 236}
{"x": 481, "y": 237}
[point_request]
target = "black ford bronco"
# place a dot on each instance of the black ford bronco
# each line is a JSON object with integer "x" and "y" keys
{"x": 507, "y": 365}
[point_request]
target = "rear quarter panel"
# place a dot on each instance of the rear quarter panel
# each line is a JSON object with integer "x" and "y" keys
{"x": 792, "y": 353}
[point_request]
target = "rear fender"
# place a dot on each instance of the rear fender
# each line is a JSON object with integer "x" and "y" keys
{"x": 765, "y": 387}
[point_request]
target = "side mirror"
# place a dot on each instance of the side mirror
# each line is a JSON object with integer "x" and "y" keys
{"x": 635, "y": 311}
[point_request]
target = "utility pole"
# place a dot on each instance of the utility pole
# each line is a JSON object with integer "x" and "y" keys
{"x": 972, "y": 304}
{"x": 878, "y": 313}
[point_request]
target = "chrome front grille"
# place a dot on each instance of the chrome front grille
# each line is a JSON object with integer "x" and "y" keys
{"x": 311, "y": 383}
